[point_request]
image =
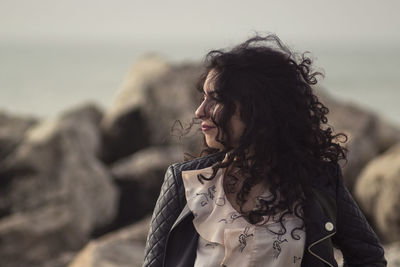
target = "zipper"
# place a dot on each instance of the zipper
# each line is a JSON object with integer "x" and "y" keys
{"x": 316, "y": 242}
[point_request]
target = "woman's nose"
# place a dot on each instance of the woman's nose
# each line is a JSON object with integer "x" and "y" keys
{"x": 200, "y": 111}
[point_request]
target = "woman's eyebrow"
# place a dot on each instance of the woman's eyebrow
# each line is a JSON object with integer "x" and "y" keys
{"x": 211, "y": 93}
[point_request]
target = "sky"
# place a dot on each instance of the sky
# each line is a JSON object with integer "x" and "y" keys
{"x": 344, "y": 21}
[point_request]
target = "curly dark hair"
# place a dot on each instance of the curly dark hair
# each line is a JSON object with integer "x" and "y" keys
{"x": 284, "y": 123}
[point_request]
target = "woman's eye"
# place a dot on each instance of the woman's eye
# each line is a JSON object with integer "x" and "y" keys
{"x": 203, "y": 97}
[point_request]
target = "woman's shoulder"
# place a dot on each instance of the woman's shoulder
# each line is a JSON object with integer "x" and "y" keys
{"x": 326, "y": 180}
{"x": 197, "y": 163}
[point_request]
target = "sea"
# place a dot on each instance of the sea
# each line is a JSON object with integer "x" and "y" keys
{"x": 43, "y": 79}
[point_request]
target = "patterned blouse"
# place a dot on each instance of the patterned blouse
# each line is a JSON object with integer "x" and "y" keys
{"x": 228, "y": 239}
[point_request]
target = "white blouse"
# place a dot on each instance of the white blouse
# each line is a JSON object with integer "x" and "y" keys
{"x": 227, "y": 239}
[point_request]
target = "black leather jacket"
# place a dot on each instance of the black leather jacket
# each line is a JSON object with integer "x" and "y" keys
{"x": 332, "y": 219}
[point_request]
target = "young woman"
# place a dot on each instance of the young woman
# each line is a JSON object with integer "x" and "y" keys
{"x": 267, "y": 189}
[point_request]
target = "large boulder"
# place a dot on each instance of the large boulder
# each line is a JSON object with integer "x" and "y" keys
{"x": 378, "y": 192}
{"x": 144, "y": 112}
{"x": 368, "y": 134}
{"x": 12, "y": 131}
{"x": 121, "y": 248}
{"x": 139, "y": 178}
{"x": 57, "y": 192}
{"x": 35, "y": 237}
{"x": 392, "y": 254}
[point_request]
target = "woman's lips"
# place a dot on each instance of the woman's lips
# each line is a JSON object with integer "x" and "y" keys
{"x": 205, "y": 128}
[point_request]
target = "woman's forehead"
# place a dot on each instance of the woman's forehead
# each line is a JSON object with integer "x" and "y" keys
{"x": 208, "y": 86}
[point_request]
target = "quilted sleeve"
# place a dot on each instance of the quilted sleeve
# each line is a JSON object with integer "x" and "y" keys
{"x": 166, "y": 211}
{"x": 354, "y": 237}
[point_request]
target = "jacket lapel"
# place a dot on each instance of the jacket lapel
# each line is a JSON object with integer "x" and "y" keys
{"x": 184, "y": 213}
{"x": 319, "y": 230}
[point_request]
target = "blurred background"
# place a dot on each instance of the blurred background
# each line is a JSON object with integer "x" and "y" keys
{"x": 89, "y": 90}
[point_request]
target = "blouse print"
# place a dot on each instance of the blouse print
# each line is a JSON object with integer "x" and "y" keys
{"x": 228, "y": 239}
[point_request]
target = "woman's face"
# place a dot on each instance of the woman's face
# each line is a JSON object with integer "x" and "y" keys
{"x": 209, "y": 108}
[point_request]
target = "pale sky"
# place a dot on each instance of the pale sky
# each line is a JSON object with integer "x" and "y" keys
{"x": 343, "y": 21}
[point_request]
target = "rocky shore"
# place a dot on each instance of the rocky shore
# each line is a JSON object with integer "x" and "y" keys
{"x": 78, "y": 190}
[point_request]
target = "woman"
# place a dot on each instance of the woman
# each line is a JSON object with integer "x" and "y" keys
{"x": 269, "y": 190}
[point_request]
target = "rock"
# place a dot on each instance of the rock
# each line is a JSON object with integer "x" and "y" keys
{"x": 58, "y": 191}
{"x": 392, "y": 254}
{"x": 153, "y": 96}
{"x": 338, "y": 256}
{"x": 377, "y": 190}
{"x": 12, "y": 130}
{"x": 369, "y": 135}
{"x": 146, "y": 163}
{"x": 139, "y": 178}
{"x": 61, "y": 260}
{"x": 124, "y": 247}
{"x": 31, "y": 238}
{"x": 87, "y": 117}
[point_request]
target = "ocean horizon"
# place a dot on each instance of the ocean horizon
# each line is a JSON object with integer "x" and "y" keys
{"x": 44, "y": 79}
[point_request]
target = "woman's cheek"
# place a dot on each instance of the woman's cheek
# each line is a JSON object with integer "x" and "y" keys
{"x": 217, "y": 110}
